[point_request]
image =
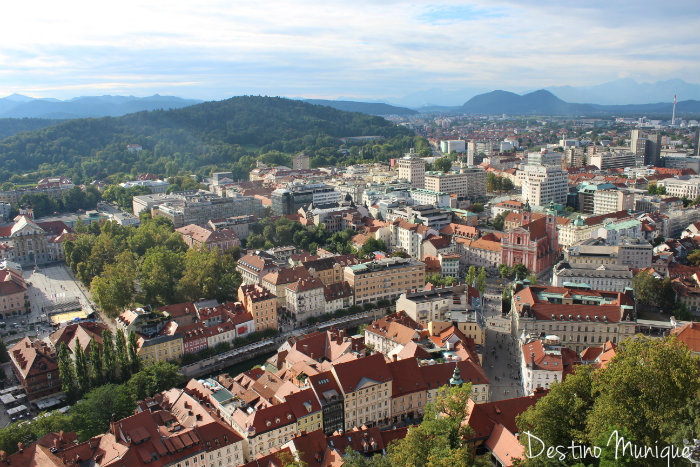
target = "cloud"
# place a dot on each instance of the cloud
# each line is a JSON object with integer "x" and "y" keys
{"x": 371, "y": 48}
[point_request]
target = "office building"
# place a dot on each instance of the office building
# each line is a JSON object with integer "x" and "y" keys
{"x": 412, "y": 168}
{"x": 453, "y": 145}
{"x": 686, "y": 186}
{"x": 646, "y": 147}
{"x": 613, "y": 159}
{"x": 605, "y": 201}
{"x": 608, "y": 277}
{"x": 544, "y": 184}
{"x": 288, "y": 200}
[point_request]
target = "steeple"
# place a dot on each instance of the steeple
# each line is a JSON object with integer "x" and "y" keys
{"x": 456, "y": 379}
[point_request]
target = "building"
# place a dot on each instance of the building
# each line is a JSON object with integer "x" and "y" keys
{"x": 285, "y": 201}
{"x": 455, "y": 183}
{"x": 196, "y": 208}
{"x": 412, "y": 168}
{"x": 384, "y": 279}
{"x": 160, "y": 348}
{"x": 482, "y": 252}
{"x": 254, "y": 266}
{"x": 301, "y": 162}
{"x": 646, "y": 147}
{"x": 544, "y": 184}
{"x": 574, "y": 157}
{"x": 367, "y": 391}
{"x": 545, "y": 158}
{"x": 277, "y": 281}
{"x": 78, "y": 334}
{"x": 476, "y": 182}
{"x": 329, "y": 269}
{"x": 633, "y": 252}
{"x": 31, "y": 243}
{"x": 35, "y": 364}
{"x": 13, "y": 294}
{"x": 605, "y": 201}
{"x": 426, "y": 214}
{"x": 612, "y": 159}
{"x": 196, "y": 236}
{"x": 686, "y": 186}
{"x": 544, "y": 361}
{"x": 306, "y": 298}
{"x": 682, "y": 162}
{"x": 408, "y": 391}
{"x": 426, "y": 305}
{"x": 534, "y": 244}
{"x": 391, "y": 332}
{"x": 583, "y": 229}
{"x": 581, "y": 317}
{"x": 608, "y": 277}
{"x": 156, "y": 186}
{"x": 330, "y": 396}
{"x": 260, "y": 303}
{"x": 453, "y": 145}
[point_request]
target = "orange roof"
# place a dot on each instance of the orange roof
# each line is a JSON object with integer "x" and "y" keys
{"x": 689, "y": 334}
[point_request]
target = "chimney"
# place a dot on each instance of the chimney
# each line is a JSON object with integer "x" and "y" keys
{"x": 395, "y": 358}
{"x": 20, "y": 447}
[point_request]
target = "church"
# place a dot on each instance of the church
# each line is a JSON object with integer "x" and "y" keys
{"x": 535, "y": 243}
{"x": 30, "y": 243}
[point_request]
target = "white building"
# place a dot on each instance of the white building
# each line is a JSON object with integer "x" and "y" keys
{"x": 453, "y": 145}
{"x": 455, "y": 183}
{"x": 156, "y": 186}
{"x": 605, "y": 201}
{"x": 542, "y": 184}
{"x": 305, "y": 298}
{"x": 412, "y": 168}
{"x": 612, "y": 160}
{"x": 610, "y": 277}
{"x": 545, "y": 361}
{"x": 687, "y": 186}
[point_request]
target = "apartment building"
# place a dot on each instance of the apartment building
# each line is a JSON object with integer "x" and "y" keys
{"x": 612, "y": 160}
{"x": 35, "y": 364}
{"x": 580, "y": 317}
{"x": 306, "y": 299}
{"x": 605, "y": 201}
{"x": 195, "y": 208}
{"x": 408, "y": 390}
{"x": 476, "y": 182}
{"x": 160, "y": 348}
{"x": 277, "y": 281}
{"x": 391, "y": 332}
{"x": 330, "y": 396}
{"x": 544, "y": 361}
{"x": 384, "y": 278}
{"x": 367, "y": 391}
{"x": 260, "y": 303}
{"x": 453, "y": 145}
{"x": 544, "y": 184}
{"x": 608, "y": 277}
{"x": 329, "y": 270}
{"x": 14, "y": 298}
{"x": 425, "y": 305}
{"x": 412, "y": 168}
{"x": 254, "y": 266}
{"x": 455, "y": 183}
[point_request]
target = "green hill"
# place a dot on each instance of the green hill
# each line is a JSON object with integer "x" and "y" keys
{"x": 227, "y": 134}
{"x": 370, "y": 108}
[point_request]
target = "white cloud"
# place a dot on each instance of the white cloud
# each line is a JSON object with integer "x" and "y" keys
{"x": 331, "y": 48}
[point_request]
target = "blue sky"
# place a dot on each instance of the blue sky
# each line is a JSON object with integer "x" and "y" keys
{"x": 328, "y": 49}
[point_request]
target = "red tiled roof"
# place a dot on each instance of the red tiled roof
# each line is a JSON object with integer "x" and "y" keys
{"x": 406, "y": 377}
{"x": 286, "y": 275}
{"x": 11, "y": 282}
{"x": 689, "y": 334}
{"x": 372, "y": 368}
{"x": 303, "y": 285}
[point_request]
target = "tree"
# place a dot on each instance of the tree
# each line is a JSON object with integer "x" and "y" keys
{"x": 116, "y": 287}
{"x": 134, "y": 359}
{"x": 477, "y": 207}
{"x": 481, "y": 280}
{"x": 559, "y": 417}
{"x": 66, "y": 370}
{"x": 505, "y": 271}
{"x": 694, "y": 258}
{"x": 499, "y": 221}
{"x": 681, "y": 312}
{"x": 442, "y": 438}
{"x": 122, "y": 356}
{"x": 471, "y": 275}
{"x": 443, "y": 165}
{"x": 645, "y": 388}
{"x": 92, "y": 414}
{"x": 520, "y": 271}
{"x": 370, "y": 246}
{"x": 646, "y": 288}
{"x": 109, "y": 361}
{"x": 667, "y": 296}
{"x": 532, "y": 279}
{"x": 82, "y": 370}
{"x": 161, "y": 269}
{"x": 95, "y": 363}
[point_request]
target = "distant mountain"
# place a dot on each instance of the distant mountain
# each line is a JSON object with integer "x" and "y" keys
{"x": 543, "y": 102}
{"x": 12, "y": 126}
{"x": 369, "y": 108}
{"x": 628, "y": 91}
{"x": 18, "y": 106}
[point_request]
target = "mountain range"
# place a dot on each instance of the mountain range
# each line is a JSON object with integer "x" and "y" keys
{"x": 543, "y": 102}
{"x": 19, "y": 106}
{"x": 370, "y": 108}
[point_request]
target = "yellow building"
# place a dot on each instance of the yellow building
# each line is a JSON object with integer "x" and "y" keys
{"x": 307, "y": 409}
{"x": 159, "y": 348}
{"x": 330, "y": 269}
{"x": 385, "y": 278}
{"x": 261, "y": 303}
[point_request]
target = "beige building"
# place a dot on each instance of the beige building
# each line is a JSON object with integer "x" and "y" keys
{"x": 261, "y": 303}
{"x": 605, "y": 201}
{"x": 367, "y": 391}
{"x": 329, "y": 269}
{"x": 277, "y": 281}
{"x": 301, "y": 162}
{"x": 412, "y": 168}
{"x": 455, "y": 183}
{"x": 384, "y": 278}
{"x": 409, "y": 390}
{"x": 159, "y": 348}
{"x": 579, "y": 317}
{"x": 14, "y": 299}
{"x": 306, "y": 299}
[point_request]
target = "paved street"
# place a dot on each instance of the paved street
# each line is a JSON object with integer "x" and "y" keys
{"x": 500, "y": 358}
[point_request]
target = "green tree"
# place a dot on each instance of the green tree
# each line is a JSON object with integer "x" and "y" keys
{"x": 443, "y": 165}
{"x": 505, "y": 271}
{"x": 161, "y": 269}
{"x": 471, "y": 275}
{"x": 481, "y": 280}
{"x": 82, "y": 370}
{"x": 559, "y": 417}
{"x": 134, "y": 359}
{"x": 499, "y": 220}
{"x": 694, "y": 258}
{"x": 122, "y": 355}
{"x": 370, "y": 246}
{"x": 645, "y": 389}
{"x": 66, "y": 371}
{"x": 477, "y": 207}
{"x": 109, "y": 361}
{"x": 116, "y": 287}
{"x": 92, "y": 415}
{"x": 646, "y": 288}
{"x": 95, "y": 358}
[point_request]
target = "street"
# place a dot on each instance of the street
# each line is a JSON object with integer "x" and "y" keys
{"x": 501, "y": 361}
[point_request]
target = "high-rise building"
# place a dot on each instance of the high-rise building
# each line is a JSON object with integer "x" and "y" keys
{"x": 476, "y": 182}
{"x": 447, "y": 182}
{"x": 471, "y": 151}
{"x": 453, "y": 145}
{"x": 646, "y": 147}
{"x": 542, "y": 184}
{"x": 412, "y": 168}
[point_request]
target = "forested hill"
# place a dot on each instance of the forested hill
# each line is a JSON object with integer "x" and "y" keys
{"x": 370, "y": 108}
{"x": 227, "y": 134}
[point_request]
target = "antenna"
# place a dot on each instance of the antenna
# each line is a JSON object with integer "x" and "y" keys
{"x": 673, "y": 118}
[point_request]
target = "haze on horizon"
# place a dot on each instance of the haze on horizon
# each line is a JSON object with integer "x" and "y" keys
{"x": 329, "y": 49}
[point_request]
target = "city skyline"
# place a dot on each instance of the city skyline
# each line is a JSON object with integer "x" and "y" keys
{"x": 366, "y": 50}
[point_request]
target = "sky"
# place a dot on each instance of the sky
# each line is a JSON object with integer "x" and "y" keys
{"x": 329, "y": 49}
